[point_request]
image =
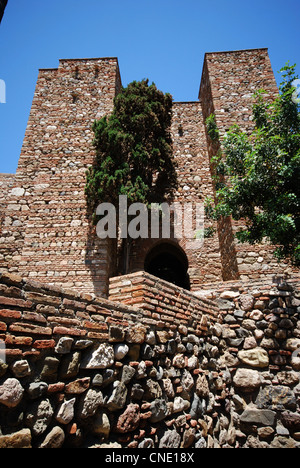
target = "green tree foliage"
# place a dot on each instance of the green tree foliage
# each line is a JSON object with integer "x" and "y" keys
{"x": 133, "y": 149}
{"x": 257, "y": 176}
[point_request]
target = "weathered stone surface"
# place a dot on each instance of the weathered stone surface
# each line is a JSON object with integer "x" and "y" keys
{"x": 187, "y": 380}
{"x": 78, "y": 386}
{"x": 197, "y": 407}
{"x": 180, "y": 405}
{"x": 276, "y": 397}
{"x": 152, "y": 390}
{"x": 247, "y": 380}
{"x": 137, "y": 392}
{"x": 90, "y": 402}
{"x": 21, "y": 369}
{"x": 101, "y": 424}
{"x": 202, "y": 387}
{"x": 246, "y": 302}
{"x": 289, "y": 378}
{"x": 3, "y": 367}
{"x": 120, "y": 351}
{"x": 55, "y": 439}
{"x": 292, "y": 344}
{"x": 168, "y": 388}
{"x": 179, "y": 361}
{"x": 49, "y": 371}
{"x": 257, "y": 357}
{"x": 118, "y": 398}
{"x": 65, "y": 413}
{"x": 171, "y": 439}
{"x": 136, "y": 334}
{"x": 20, "y": 439}
{"x": 37, "y": 389}
{"x": 11, "y": 393}
{"x": 64, "y": 345}
{"x": 70, "y": 365}
{"x": 128, "y": 373}
{"x": 291, "y": 420}
{"x": 260, "y": 417}
{"x": 229, "y": 360}
{"x": 129, "y": 420}
{"x": 229, "y": 295}
{"x": 116, "y": 334}
{"x": 39, "y": 416}
{"x": 159, "y": 410}
{"x": 101, "y": 358}
{"x": 283, "y": 443}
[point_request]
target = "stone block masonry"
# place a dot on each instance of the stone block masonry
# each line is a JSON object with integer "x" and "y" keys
{"x": 81, "y": 371}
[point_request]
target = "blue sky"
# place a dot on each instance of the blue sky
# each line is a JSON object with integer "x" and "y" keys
{"x": 163, "y": 40}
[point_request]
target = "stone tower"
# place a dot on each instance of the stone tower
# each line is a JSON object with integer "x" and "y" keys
{"x": 45, "y": 233}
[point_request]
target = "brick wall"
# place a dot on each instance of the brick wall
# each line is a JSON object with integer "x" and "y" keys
{"x": 228, "y": 84}
{"x": 46, "y": 234}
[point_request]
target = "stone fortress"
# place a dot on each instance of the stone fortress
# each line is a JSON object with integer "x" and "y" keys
{"x": 93, "y": 357}
{"x": 45, "y": 233}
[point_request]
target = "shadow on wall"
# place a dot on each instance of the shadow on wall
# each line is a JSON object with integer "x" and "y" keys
{"x": 168, "y": 262}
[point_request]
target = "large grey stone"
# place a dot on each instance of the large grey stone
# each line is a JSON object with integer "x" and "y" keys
{"x": 118, "y": 397}
{"x": 257, "y": 416}
{"x": 159, "y": 410}
{"x": 54, "y": 439}
{"x": 277, "y": 397}
{"x": 49, "y": 371}
{"x": 171, "y": 439}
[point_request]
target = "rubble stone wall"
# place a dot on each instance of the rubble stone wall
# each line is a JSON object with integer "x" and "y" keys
{"x": 82, "y": 371}
{"x": 228, "y": 85}
{"x": 6, "y": 184}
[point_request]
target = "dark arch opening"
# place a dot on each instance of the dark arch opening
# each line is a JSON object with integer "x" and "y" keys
{"x": 168, "y": 262}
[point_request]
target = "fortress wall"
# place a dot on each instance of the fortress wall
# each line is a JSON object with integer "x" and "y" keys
{"x": 49, "y": 234}
{"x": 194, "y": 185}
{"x": 6, "y": 184}
{"x": 45, "y": 233}
{"x": 82, "y": 371}
{"x": 229, "y": 82}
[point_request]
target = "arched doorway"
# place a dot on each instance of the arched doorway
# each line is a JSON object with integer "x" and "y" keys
{"x": 168, "y": 262}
